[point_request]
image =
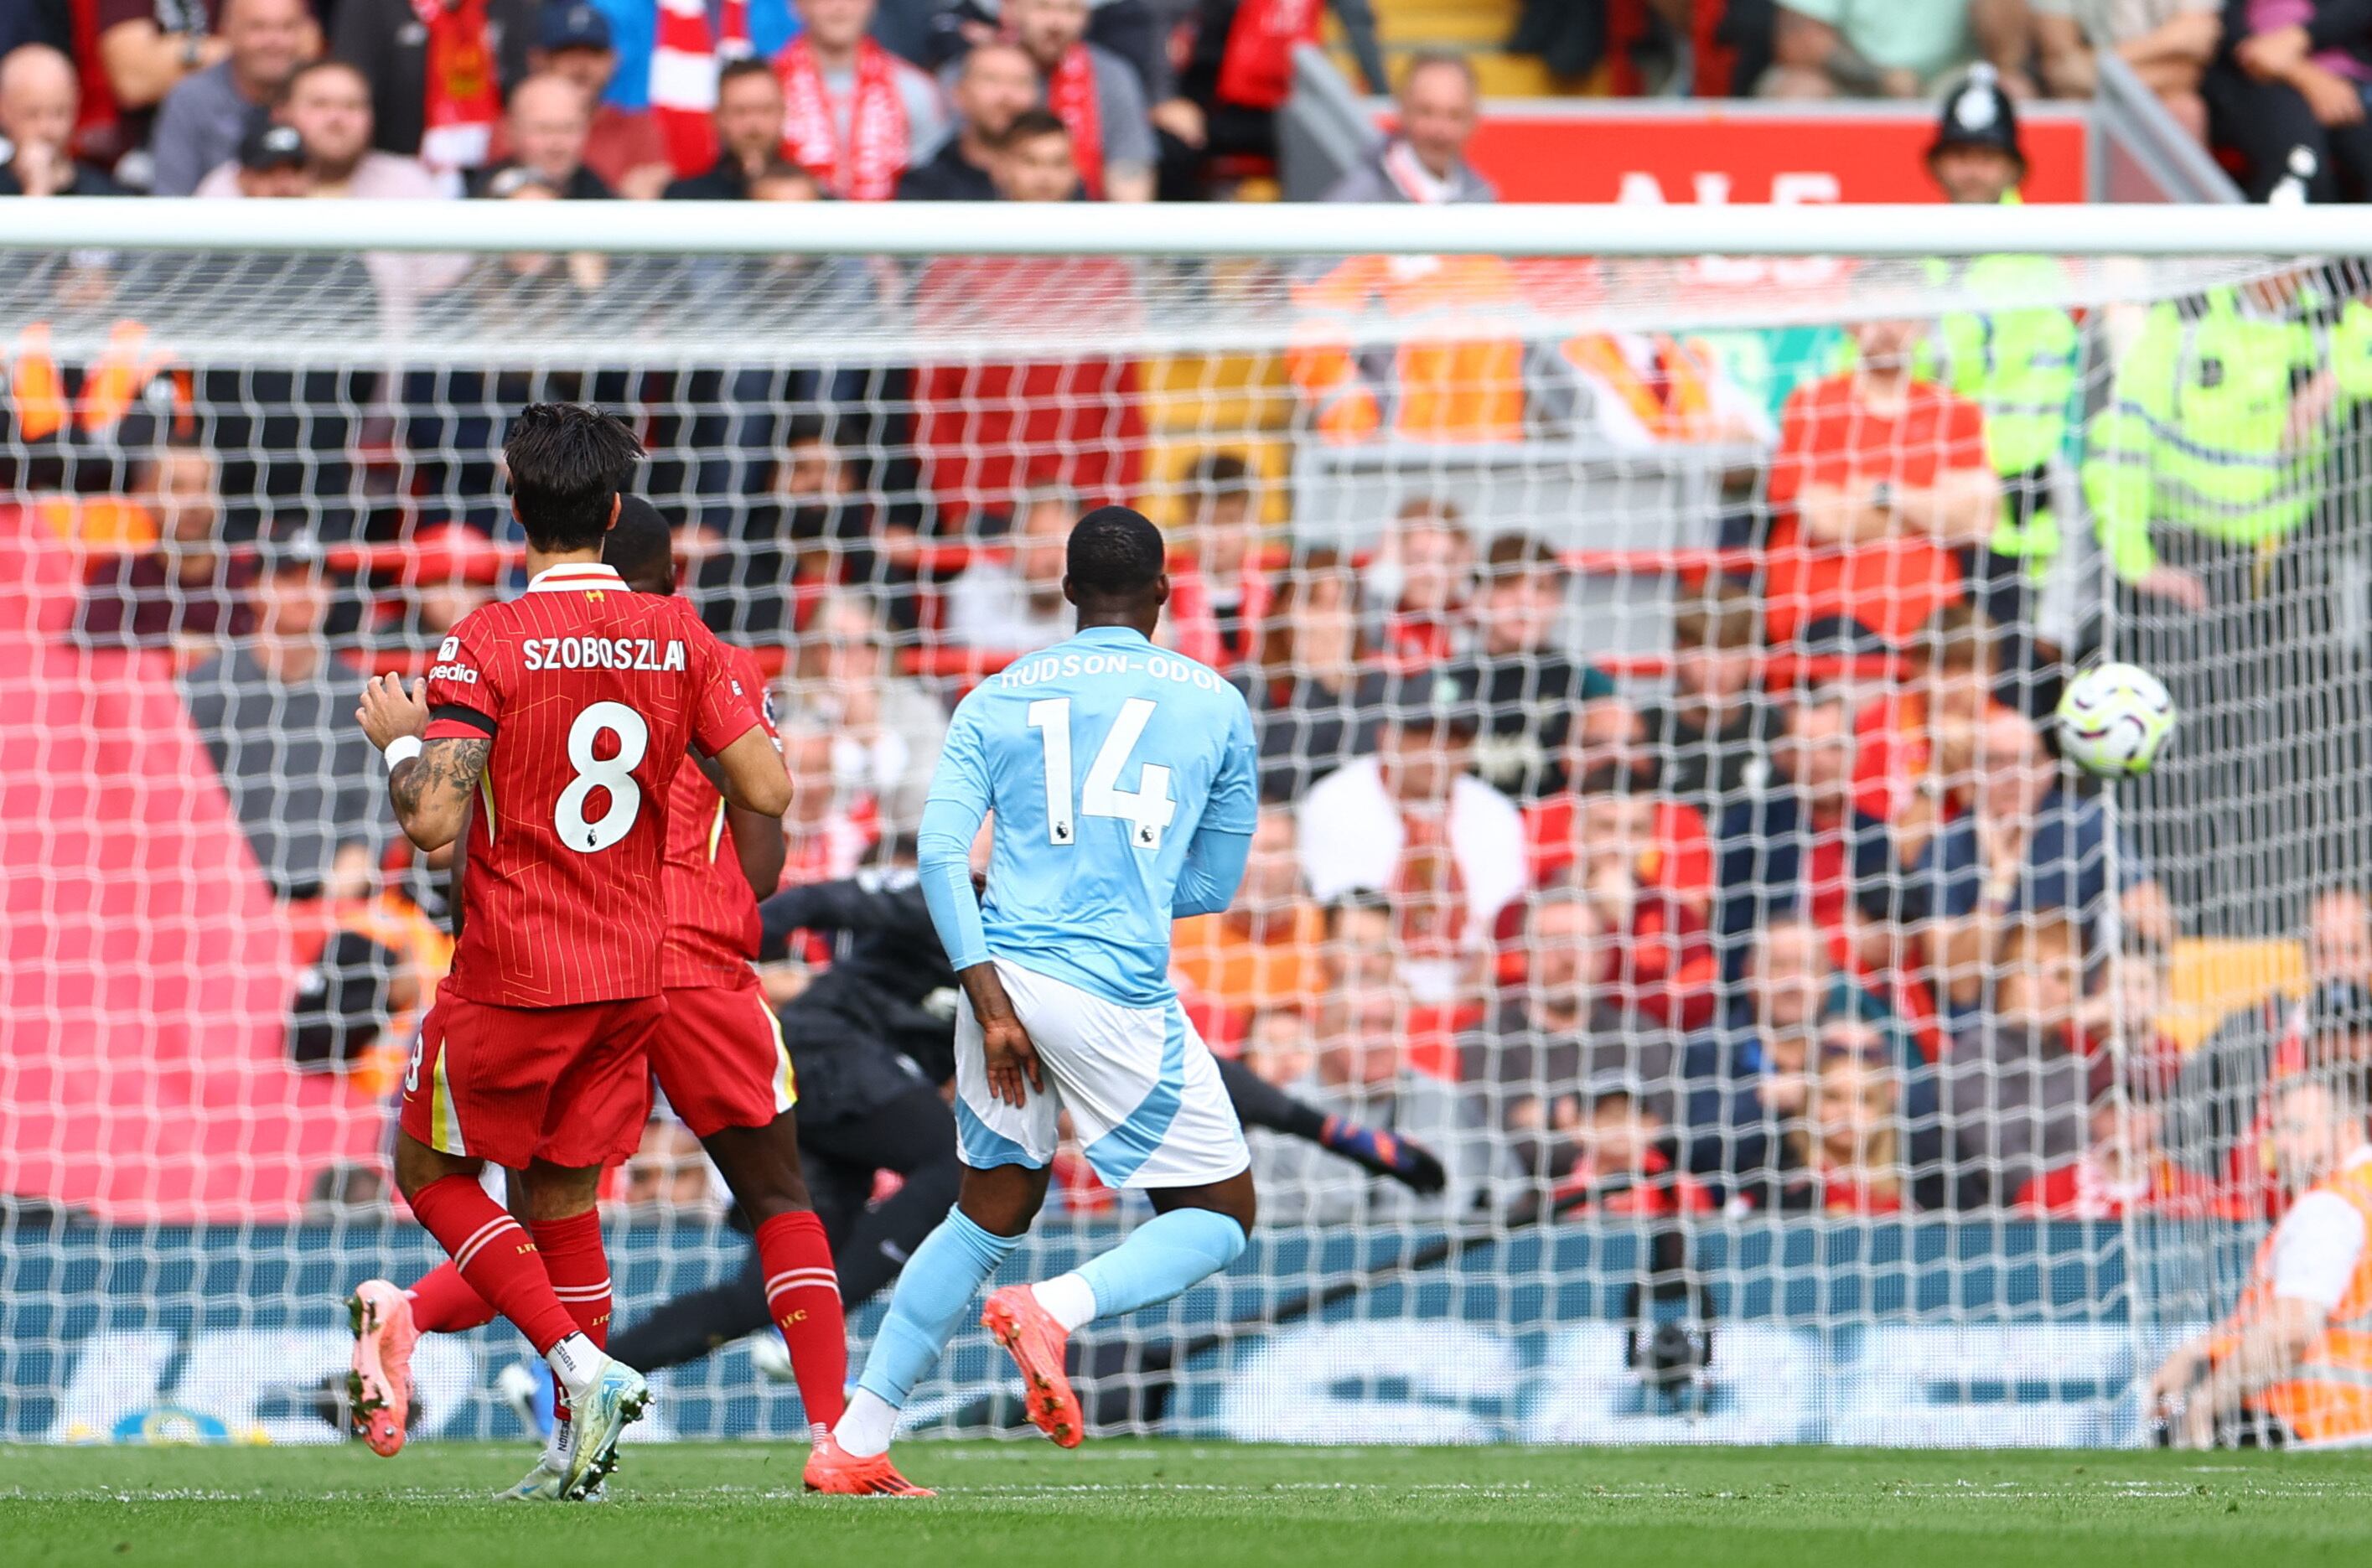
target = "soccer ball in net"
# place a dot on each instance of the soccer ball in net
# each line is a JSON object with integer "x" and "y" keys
{"x": 2114, "y": 718}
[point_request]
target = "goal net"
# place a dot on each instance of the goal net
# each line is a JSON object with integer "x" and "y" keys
{"x": 1665, "y": 861}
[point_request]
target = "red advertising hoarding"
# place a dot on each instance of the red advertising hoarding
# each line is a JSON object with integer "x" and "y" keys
{"x": 1719, "y": 152}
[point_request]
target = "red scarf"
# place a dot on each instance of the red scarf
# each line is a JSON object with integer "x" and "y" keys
{"x": 879, "y": 141}
{"x": 464, "y": 91}
{"x": 1257, "y": 69}
{"x": 684, "y": 58}
{"x": 1071, "y": 94}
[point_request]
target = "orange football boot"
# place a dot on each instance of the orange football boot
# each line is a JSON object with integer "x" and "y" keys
{"x": 1036, "y": 1342}
{"x": 834, "y": 1470}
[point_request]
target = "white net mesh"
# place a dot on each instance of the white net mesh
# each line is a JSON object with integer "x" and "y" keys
{"x": 1757, "y": 965}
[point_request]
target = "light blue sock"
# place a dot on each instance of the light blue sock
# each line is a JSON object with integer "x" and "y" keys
{"x": 1160, "y": 1258}
{"x": 934, "y": 1289}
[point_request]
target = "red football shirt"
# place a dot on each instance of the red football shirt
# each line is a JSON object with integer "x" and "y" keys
{"x": 711, "y": 912}
{"x": 592, "y": 695}
{"x": 1826, "y": 436}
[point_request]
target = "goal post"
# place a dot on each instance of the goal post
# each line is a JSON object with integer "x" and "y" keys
{"x": 1651, "y": 618}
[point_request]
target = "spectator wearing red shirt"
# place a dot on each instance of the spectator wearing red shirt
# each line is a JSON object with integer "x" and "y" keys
{"x": 624, "y": 147}
{"x": 1219, "y": 593}
{"x": 1647, "y": 866}
{"x": 1881, "y": 477}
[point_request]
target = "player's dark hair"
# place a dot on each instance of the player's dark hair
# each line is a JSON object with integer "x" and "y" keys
{"x": 568, "y": 462}
{"x": 1116, "y": 554}
{"x": 641, "y": 548}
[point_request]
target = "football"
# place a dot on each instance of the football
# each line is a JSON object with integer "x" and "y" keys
{"x": 2114, "y": 719}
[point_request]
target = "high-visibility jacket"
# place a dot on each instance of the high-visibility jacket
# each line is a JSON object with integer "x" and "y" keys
{"x": 2196, "y": 431}
{"x": 1453, "y": 374}
{"x": 2327, "y": 1397}
{"x": 2021, "y": 363}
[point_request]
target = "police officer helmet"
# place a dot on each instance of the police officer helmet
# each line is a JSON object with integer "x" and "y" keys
{"x": 1978, "y": 114}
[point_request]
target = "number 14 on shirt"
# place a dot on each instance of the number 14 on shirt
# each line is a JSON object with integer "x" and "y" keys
{"x": 1147, "y": 808}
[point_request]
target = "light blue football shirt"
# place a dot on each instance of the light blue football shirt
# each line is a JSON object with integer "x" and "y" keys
{"x": 1102, "y": 757}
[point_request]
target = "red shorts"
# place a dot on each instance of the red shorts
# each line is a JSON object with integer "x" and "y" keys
{"x": 570, "y": 1085}
{"x": 719, "y": 1059}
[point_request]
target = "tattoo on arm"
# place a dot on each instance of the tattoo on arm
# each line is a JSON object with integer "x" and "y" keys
{"x": 442, "y": 765}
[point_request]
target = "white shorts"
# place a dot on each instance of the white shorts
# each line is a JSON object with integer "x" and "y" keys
{"x": 1145, "y": 1100}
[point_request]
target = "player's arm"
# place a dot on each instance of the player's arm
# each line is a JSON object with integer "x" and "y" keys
{"x": 958, "y": 803}
{"x": 754, "y": 781}
{"x": 432, "y": 782}
{"x": 758, "y": 844}
{"x": 1223, "y": 838}
{"x": 1213, "y": 870}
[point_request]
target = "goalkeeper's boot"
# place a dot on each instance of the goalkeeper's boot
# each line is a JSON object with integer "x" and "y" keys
{"x": 1384, "y": 1153}
{"x": 834, "y": 1471}
{"x": 1026, "y": 1330}
{"x": 379, "y": 1389}
{"x": 597, "y": 1418}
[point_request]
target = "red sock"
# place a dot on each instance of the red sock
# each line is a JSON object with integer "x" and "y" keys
{"x": 803, "y": 1295}
{"x": 580, "y": 1277}
{"x": 496, "y": 1256}
{"x": 443, "y": 1303}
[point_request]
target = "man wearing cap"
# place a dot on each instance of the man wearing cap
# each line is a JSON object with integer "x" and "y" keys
{"x": 271, "y": 162}
{"x": 1412, "y": 821}
{"x": 2020, "y": 363}
{"x": 207, "y": 114}
{"x": 272, "y": 712}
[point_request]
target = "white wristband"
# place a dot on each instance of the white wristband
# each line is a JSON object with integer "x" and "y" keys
{"x": 403, "y": 748}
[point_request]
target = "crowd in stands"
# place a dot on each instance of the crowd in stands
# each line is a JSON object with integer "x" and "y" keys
{"x": 1809, "y": 919}
{"x": 870, "y": 99}
{"x": 880, "y": 99}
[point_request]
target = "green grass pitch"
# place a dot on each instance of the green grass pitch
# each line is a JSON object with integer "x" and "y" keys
{"x": 1151, "y": 1504}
